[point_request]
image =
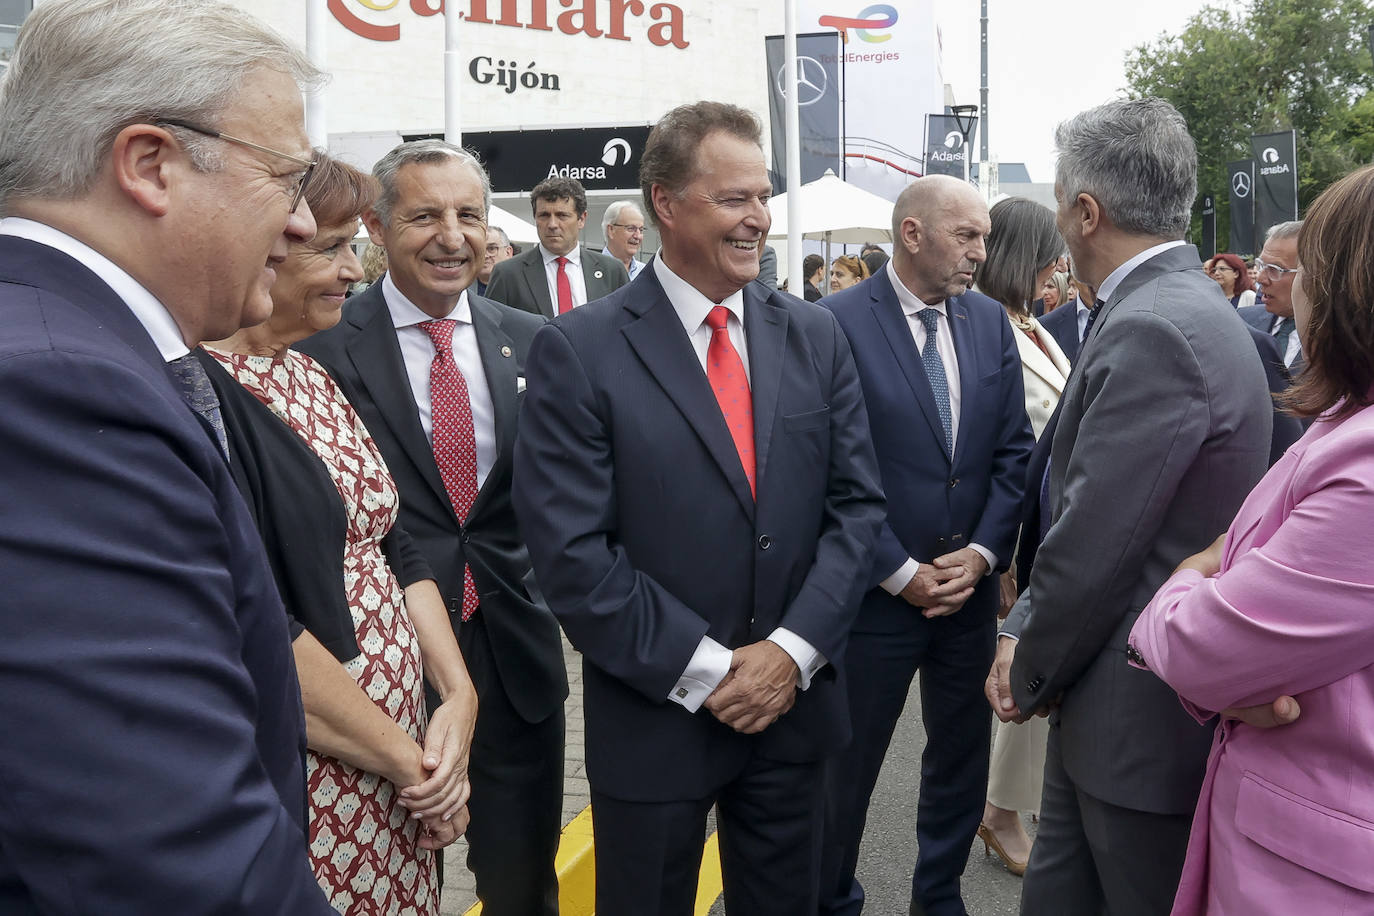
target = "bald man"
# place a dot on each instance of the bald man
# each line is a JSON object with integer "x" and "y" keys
{"x": 942, "y": 381}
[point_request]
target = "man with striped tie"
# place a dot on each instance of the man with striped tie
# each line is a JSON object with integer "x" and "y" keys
{"x": 696, "y": 484}
{"x": 942, "y": 379}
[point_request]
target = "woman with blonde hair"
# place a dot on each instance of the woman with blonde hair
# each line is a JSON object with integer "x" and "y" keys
{"x": 847, "y": 271}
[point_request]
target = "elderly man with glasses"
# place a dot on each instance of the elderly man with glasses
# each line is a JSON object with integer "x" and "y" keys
{"x": 1277, "y": 264}
{"x": 623, "y": 226}
{"x": 153, "y": 758}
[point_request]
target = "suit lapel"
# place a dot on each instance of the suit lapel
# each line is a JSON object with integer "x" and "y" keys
{"x": 967, "y": 355}
{"x": 1035, "y": 360}
{"x": 765, "y": 329}
{"x": 661, "y": 343}
{"x": 376, "y": 355}
{"x": 887, "y": 311}
{"x": 499, "y": 364}
{"x": 538, "y": 282}
{"x": 593, "y": 276}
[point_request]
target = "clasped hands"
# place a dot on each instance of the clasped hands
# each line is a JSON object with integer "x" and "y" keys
{"x": 941, "y": 586}
{"x": 435, "y": 786}
{"x": 760, "y": 686}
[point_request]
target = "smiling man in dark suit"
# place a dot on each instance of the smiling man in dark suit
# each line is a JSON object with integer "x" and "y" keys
{"x": 154, "y": 740}
{"x": 695, "y": 479}
{"x": 422, "y": 330}
{"x": 943, "y": 385}
{"x": 558, "y": 274}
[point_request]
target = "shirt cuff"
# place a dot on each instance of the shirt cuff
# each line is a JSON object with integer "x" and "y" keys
{"x": 808, "y": 660}
{"x": 706, "y": 669}
{"x": 1012, "y": 636}
{"x": 899, "y": 580}
{"x": 986, "y": 555}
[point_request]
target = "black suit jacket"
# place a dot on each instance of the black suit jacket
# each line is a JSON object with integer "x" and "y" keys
{"x": 521, "y": 283}
{"x": 364, "y": 356}
{"x": 645, "y": 535}
{"x": 154, "y": 743}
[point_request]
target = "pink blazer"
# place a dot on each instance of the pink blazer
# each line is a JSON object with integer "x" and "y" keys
{"x": 1285, "y": 823}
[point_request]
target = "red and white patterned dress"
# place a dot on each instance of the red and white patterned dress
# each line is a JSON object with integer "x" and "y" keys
{"x": 363, "y": 847}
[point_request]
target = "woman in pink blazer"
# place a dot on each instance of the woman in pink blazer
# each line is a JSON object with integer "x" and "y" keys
{"x": 1283, "y": 604}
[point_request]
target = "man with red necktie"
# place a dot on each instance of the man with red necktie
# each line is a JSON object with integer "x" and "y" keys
{"x": 435, "y": 371}
{"x": 695, "y": 481}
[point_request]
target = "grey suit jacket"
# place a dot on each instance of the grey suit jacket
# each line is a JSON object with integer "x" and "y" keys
{"x": 520, "y": 281}
{"x": 1164, "y": 427}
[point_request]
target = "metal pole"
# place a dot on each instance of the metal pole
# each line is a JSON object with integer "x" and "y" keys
{"x": 317, "y": 47}
{"x": 983, "y": 143}
{"x": 792, "y": 128}
{"x": 453, "y": 73}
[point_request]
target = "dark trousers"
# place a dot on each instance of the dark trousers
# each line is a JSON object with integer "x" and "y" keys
{"x": 953, "y": 660}
{"x": 648, "y": 854}
{"x": 1092, "y": 857}
{"x": 516, "y": 809}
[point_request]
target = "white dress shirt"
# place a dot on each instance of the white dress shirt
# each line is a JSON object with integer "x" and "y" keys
{"x": 151, "y": 313}
{"x": 574, "y": 271}
{"x": 1084, "y": 311}
{"x": 636, "y": 265}
{"x": 417, "y": 350}
{"x": 1294, "y": 348}
{"x": 711, "y": 660}
{"x": 944, "y": 342}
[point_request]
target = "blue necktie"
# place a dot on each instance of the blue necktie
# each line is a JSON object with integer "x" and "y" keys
{"x": 1282, "y": 332}
{"x": 194, "y": 386}
{"x": 935, "y": 373}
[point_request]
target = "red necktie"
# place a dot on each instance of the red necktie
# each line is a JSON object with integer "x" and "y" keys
{"x": 725, "y": 372}
{"x": 565, "y": 303}
{"x": 455, "y": 445}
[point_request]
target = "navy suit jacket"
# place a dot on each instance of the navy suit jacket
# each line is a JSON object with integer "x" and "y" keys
{"x": 645, "y": 536}
{"x": 1062, "y": 323}
{"x": 153, "y": 758}
{"x": 934, "y": 504}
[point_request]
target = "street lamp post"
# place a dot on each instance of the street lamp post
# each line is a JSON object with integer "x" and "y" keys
{"x": 964, "y": 118}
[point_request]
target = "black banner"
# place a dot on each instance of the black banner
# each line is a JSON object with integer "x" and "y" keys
{"x": 818, "y": 96}
{"x": 1241, "y": 176}
{"x": 1209, "y": 225}
{"x": 602, "y": 158}
{"x": 1276, "y": 181}
{"x": 946, "y": 146}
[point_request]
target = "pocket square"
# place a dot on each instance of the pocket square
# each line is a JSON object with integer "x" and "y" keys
{"x": 519, "y": 384}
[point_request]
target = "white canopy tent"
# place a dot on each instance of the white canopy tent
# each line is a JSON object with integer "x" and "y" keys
{"x": 832, "y": 210}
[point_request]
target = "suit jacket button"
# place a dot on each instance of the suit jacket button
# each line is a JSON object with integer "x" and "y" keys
{"x": 765, "y": 542}
{"x": 953, "y": 482}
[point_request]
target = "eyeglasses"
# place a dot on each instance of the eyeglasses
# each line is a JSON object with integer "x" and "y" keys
{"x": 632, "y": 230}
{"x": 297, "y": 193}
{"x": 1273, "y": 271}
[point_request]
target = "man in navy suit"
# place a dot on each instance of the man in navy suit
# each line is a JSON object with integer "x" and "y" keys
{"x": 696, "y": 483}
{"x": 942, "y": 381}
{"x": 1278, "y": 263}
{"x": 153, "y": 758}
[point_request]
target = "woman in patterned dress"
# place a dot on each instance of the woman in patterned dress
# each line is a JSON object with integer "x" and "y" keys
{"x": 386, "y": 789}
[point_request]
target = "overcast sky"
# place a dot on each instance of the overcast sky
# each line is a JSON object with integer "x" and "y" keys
{"x": 1047, "y": 61}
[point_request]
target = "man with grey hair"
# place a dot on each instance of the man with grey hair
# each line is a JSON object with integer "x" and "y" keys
{"x": 1277, "y": 265}
{"x": 497, "y": 250}
{"x": 154, "y": 745}
{"x": 1162, "y": 430}
{"x": 435, "y": 371}
{"x": 622, "y": 225}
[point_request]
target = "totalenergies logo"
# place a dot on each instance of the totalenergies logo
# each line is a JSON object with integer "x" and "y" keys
{"x": 869, "y": 20}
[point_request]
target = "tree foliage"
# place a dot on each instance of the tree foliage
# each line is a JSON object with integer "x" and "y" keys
{"x": 1266, "y": 66}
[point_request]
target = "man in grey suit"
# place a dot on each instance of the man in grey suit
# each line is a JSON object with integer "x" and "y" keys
{"x": 558, "y": 274}
{"x": 1162, "y": 430}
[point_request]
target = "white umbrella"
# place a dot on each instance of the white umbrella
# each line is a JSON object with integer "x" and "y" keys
{"x": 833, "y": 210}
{"x": 516, "y": 229}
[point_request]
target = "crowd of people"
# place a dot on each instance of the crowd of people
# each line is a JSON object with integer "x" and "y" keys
{"x": 286, "y": 571}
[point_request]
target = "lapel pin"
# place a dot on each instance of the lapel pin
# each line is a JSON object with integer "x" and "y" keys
{"x": 505, "y": 351}
{"x": 597, "y": 274}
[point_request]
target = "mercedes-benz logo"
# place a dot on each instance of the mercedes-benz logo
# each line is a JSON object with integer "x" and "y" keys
{"x": 1240, "y": 184}
{"x": 811, "y": 81}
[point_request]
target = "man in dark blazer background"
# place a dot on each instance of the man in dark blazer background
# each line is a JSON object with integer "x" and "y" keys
{"x": 1146, "y": 467}
{"x": 431, "y": 219}
{"x": 559, "y": 274}
{"x": 1279, "y": 260}
{"x": 696, "y": 482}
{"x": 943, "y": 384}
{"x": 153, "y": 758}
